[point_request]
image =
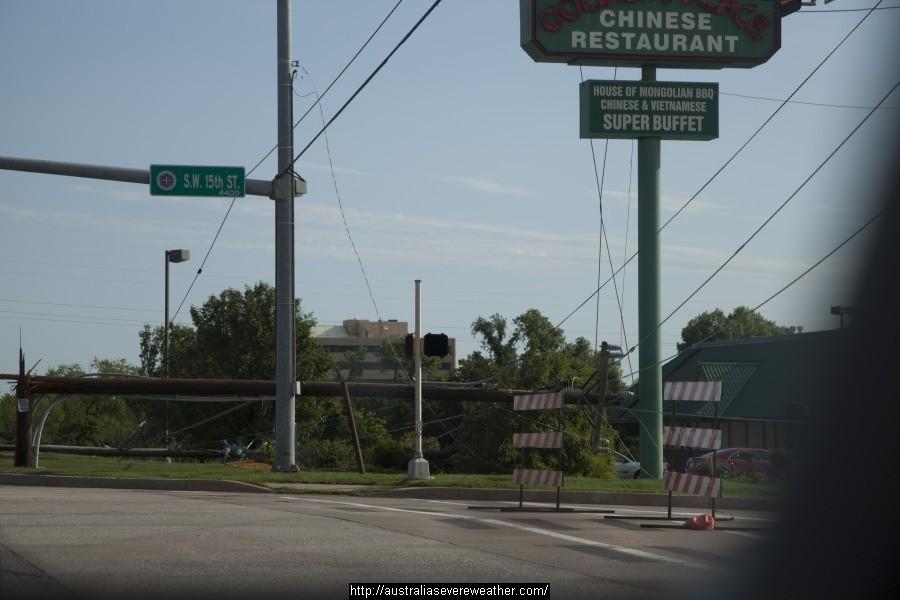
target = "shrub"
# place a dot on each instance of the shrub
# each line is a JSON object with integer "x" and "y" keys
{"x": 332, "y": 454}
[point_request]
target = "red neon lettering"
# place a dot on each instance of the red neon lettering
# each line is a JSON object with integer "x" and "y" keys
{"x": 583, "y": 6}
{"x": 733, "y": 8}
{"x": 757, "y": 26}
{"x": 565, "y": 14}
{"x": 550, "y": 20}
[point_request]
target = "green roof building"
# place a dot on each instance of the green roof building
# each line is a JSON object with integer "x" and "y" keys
{"x": 770, "y": 386}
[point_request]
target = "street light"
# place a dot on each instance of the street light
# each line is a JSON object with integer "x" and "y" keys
{"x": 174, "y": 256}
{"x": 842, "y": 310}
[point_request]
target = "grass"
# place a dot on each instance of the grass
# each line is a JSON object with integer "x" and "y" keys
{"x": 90, "y": 466}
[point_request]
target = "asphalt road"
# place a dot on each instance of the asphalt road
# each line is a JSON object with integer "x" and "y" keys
{"x": 90, "y": 543}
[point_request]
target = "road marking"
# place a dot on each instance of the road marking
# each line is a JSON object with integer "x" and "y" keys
{"x": 536, "y": 530}
{"x": 632, "y": 510}
{"x": 448, "y": 502}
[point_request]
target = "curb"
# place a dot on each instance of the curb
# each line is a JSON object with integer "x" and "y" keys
{"x": 423, "y": 493}
{"x": 567, "y": 497}
{"x": 177, "y": 485}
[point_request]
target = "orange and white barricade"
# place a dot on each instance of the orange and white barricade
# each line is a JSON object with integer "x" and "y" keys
{"x": 542, "y": 440}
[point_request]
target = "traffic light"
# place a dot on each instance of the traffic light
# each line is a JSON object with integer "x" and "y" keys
{"x": 408, "y": 345}
{"x": 436, "y": 344}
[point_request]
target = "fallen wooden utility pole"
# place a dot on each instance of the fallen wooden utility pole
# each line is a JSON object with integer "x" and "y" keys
{"x": 258, "y": 388}
{"x": 127, "y": 452}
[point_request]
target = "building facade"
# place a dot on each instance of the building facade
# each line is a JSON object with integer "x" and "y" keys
{"x": 360, "y": 352}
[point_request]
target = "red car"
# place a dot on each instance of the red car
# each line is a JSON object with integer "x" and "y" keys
{"x": 735, "y": 462}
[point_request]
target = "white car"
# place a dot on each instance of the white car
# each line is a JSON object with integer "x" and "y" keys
{"x": 626, "y": 467}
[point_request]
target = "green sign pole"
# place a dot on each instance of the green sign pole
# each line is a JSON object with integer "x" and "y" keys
{"x": 649, "y": 354}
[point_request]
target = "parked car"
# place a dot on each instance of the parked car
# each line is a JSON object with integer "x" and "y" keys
{"x": 736, "y": 462}
{"x": 626, "y": 467}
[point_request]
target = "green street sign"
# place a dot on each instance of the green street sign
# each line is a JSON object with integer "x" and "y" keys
{"x": 192, "y": 180}
{"x": 662, "y": 33}
{"x": 638, "y": 109}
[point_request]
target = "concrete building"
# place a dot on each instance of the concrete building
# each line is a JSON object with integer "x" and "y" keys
{"x": 357, "y": 347}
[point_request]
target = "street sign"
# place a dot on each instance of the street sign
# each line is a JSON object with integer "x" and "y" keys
{"x": 642, "y": 109}
{"x": 664, "y": 33}
{"x": 192, "y": 180}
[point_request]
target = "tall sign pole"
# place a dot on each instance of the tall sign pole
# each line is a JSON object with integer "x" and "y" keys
{"x": 650, "y": 378}
{"x": 285, "y": 341}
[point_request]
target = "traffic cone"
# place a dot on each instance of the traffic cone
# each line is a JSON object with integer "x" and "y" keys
{"x": 701, "y": 523}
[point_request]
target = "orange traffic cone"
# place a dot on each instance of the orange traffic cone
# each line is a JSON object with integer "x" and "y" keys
{"x": 701, "y": 523}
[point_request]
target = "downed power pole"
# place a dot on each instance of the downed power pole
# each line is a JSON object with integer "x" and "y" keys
{"x": 258, "y": 388}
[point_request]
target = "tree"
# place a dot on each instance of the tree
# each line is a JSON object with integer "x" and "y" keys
{"x": 535, "y": 356}
{"x": 233, "y": 337}
{"x": 741, "y": 323}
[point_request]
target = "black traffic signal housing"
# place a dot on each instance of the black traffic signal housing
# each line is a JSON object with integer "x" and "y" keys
{"x": 436, "y": 344}
{"x": 433, "y": 344}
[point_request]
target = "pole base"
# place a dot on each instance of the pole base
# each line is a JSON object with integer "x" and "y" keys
{"x": 285, "y": 469}
{"x": 417, "y": 468}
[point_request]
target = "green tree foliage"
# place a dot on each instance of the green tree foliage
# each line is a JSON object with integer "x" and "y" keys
{"x": 534, "y": 355}
{"x": 232, "y": 337}
{"x": 85, "y": 420}
{"x": 741, "y": 323}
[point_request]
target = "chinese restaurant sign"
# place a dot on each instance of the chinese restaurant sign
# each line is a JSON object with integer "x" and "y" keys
{"x": 662, "y": 33}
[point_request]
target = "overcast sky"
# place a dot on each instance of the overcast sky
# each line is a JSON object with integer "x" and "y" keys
{"x": 460, "y": 164}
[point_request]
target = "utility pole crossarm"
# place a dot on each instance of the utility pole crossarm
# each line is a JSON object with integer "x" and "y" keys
{"x": 254, "y": 187}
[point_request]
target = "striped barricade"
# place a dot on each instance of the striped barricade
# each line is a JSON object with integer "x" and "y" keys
{"x": 692, "y": 437}
{"x": 552, "y": 439}
{"x": 538, "y": 477}
{"x": 698, "y": 485}
{"x": 545, "y": 401}
{"x": 692, "y": 391}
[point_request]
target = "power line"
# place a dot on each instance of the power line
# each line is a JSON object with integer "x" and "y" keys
{"x": 337, "y": 193}
{"x": 767, "y": 220}
{"x": 231, "y": 205}
{"x": 806, "y": 102}
{"x": 776, "y": 294}
{"x": 604, "y": 239}
{"x": 333, "y": 81}
{"x": 79, "y": 305}
{"x": 364, "y": 83}
{"x": 730, "y": 159}
{"x": 841, "y": 10}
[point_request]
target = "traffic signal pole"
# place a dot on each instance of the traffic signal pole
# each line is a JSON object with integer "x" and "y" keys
{"x": 418, "y": 468}
{"x": 286, "y": 388}
{"x": 649, "y": 352}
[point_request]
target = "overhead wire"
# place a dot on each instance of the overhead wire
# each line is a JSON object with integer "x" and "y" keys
{"x": 363, "y": 86}
{"x": 803, "y": 274}
{"x": 337, "y": 193}
{"x": 767, "y": 220}
{"x": 256, "y": 166}
{"x": 604, "y": 239}
{"x": 730, "y": 159}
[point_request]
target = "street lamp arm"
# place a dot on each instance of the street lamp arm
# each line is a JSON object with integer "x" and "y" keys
{"x": 254, "y": 187}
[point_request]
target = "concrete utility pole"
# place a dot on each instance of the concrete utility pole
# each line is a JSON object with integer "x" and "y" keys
{"x": 650, "y": 383}
{"x": 286, "y": 388}
{"x": 417, "y": 468}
